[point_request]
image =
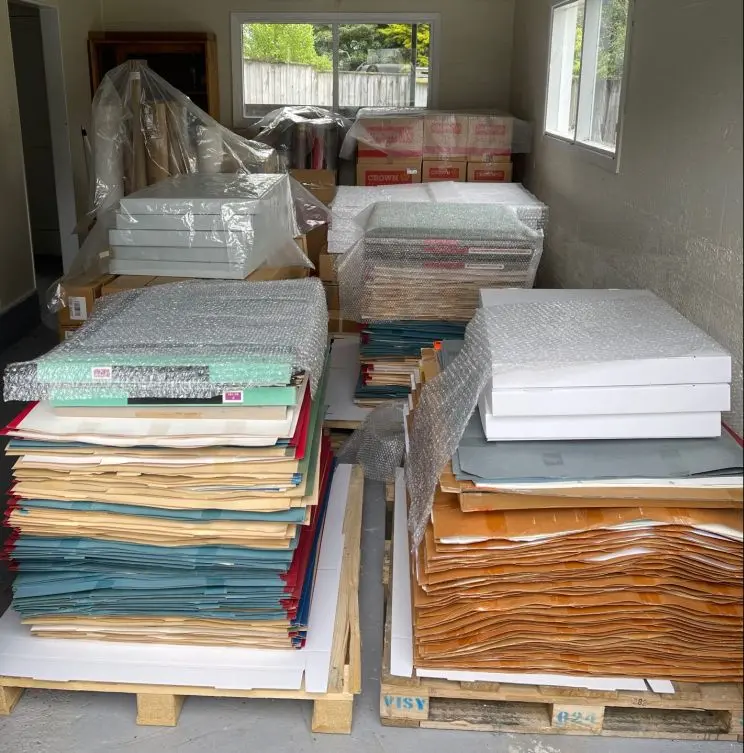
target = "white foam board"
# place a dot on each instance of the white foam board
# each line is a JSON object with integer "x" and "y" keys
{"x": 572, "y": 401}
{"x": 401, "y": 643}
{"x": 183, "y": 238}
{"x": 191, "y": 222}
{"x": 617, "y": 426}
{"x": 661, "y": 337}
{"x": 343, "y": 375}
{"x": 225, "y": 668}
{"x": 203, "y": 270}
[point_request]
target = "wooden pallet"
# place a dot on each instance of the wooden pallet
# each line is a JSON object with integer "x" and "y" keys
{"x": 341, "y": 425}
{"x": 693, "y": 712}
{"x": 332, "y": 711}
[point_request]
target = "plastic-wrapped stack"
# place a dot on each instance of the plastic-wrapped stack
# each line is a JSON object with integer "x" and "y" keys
{"x": 145, "y": 130}
{"x": 597, "y": 562}
{"x": 170, "y": 483}
{"x": 209, "y": 226}
{"x": 415, "y": 275}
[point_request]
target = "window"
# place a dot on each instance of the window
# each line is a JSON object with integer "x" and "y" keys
{"x": 586, "y": 72}
{"x": 340, "y": 61}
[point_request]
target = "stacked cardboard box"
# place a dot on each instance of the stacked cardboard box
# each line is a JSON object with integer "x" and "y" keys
{"x": 329, "y": 278}
{"x": 390, "y": 149}
{"x": 409, "y": 146}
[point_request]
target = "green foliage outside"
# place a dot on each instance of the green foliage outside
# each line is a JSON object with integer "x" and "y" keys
{"x": 310, "y": 44}
{"x": 283, "y": 43}
{"x": 613, "y": 28}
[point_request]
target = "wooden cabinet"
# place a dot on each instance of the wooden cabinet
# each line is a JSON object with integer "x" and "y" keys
{"x": 186, "y": 60}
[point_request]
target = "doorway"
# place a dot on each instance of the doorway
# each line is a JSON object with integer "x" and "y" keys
{"x": 37, "y": 57}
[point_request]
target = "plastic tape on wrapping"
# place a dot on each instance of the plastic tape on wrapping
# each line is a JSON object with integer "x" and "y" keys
{"x": 184, "y": 340}
{"x": 503, "y": 339}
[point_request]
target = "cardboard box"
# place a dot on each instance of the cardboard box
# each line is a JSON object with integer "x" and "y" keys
{"x": 327, "y": 268}
{"x": 490, "y": 138}
{"x": 394, "y": 138}
{"x": 320, "y": 183}
{"x": 165, "y": 280}
{"x": 79, "y": 296}
{"x": 388, "y": 173}
{"x": 434, "y": 170}
{"x": 337, "y": 324}
{"x": 445, "y": 136}
{"x": 65, "y": 333}
{"x": 494, "y": 172}
{"x": 127, "y": 282}
{"x": 267, "y": 274}
{"x": 333, "y": 296}
{"x": 316, "y": 243}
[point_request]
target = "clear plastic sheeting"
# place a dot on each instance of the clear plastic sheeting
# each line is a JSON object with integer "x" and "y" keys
{"x": 378, "y": 445}
{"x": 305, "y": 138}
{"x": 348, "y": 208}
{"x": 213, "y": 226}
{"x": 417, "y": 133}
{"x": 542, "y": 335}
{"x": 196, "y": 339}
{"x": 430, "y": 262}
{"x": 145, "y": 130}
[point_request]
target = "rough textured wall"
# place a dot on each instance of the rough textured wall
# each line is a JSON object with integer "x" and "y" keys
{"x": 671, "y": 220}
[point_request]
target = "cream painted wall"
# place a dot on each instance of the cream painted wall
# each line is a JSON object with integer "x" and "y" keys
{"x": 671, "y": 220}
{"x": 475, "y": 46}
{"x": 77, "y": 17}
{"x": 16, "y": 263}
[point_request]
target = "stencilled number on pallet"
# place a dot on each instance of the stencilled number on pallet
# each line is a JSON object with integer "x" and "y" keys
{"x": 404, "y": 707}
{"x": 587, "y": 718}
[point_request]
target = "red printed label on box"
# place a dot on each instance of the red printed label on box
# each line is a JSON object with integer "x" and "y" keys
{"x": 232, "y": 396}
{"x": 101, "y": 373}
{"x": 386, "y": 177}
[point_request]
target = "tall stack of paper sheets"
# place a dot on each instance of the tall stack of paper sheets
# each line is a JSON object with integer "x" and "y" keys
{"x": 415, "y": 278}
{"x": 170, "y": 483}
{"x": 587, "y": 563}
{"x": 589, "y": 376}
{"x": 203, "y": 225}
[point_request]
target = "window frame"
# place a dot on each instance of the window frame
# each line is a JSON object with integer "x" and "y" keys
{"x": 238, "y": 18}
{"x": 592, "y": 153}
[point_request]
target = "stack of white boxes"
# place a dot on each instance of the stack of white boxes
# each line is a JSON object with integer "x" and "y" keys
{"x": 203, "y": 225}
{"x": 599, "y": 364}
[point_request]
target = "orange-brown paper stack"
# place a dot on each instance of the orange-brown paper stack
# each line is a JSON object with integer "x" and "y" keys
{"x": 598, "y": 582}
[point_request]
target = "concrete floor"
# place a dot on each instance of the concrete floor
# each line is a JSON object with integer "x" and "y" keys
{"x": 59, "y": 722}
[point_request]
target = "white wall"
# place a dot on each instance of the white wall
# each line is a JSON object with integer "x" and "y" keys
{"x": 671, "y": 221}
{"x": 475, "y": 48}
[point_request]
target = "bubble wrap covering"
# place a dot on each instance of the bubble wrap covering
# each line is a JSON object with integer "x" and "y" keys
{"x": 539, "y": 335}
{"x": 348, "y": 209}
{"x": 192, "y": 339}
{"x": 379, "y": 443}
{"x": 429, "y": 261}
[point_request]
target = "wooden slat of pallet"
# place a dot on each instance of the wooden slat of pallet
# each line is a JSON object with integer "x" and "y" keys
{"x": 694, "y": 712}
{"x": 332, "y": 711}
